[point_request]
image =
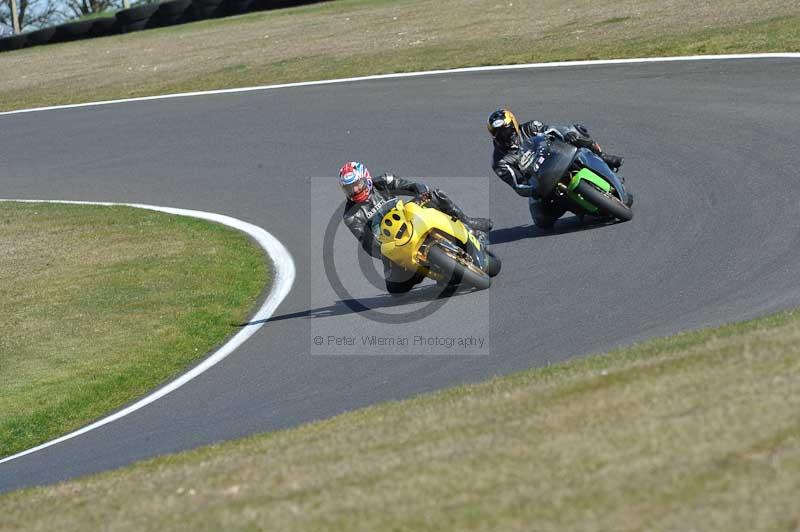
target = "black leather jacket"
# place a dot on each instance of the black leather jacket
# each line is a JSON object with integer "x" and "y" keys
{"x": 506, "y": 163}
{"x": 357, "y": 216}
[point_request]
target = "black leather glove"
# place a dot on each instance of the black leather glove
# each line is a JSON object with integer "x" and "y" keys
{"x": 571, "y": 137}
{"x": 583, "y": 130}
{"x": 423, "y": 197}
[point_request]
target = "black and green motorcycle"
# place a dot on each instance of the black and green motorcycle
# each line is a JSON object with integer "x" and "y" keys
{"x": 576, "y": 179}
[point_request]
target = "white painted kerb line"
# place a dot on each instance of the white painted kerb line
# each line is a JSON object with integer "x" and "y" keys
{"x": 555, "y": 64}
{"x": 283, "y": 278}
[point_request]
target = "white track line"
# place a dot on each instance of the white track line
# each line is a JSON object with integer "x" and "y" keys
{"x": 283, "y": 278}
{"x": 787, "y": 55}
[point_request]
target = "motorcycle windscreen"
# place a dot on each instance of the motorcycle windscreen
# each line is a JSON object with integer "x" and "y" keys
{"x": 557, "y": 161}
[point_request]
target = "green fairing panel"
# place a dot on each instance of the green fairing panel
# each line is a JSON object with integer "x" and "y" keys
{"x": 588, "y": 175}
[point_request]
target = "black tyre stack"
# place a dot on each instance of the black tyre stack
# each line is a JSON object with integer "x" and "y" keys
{"x": 135, "y": 18}
{"x": 143, "y": 16}
{"x": 171, "y": 13}
{"x": 42, "y": 36}
{"x": 72, "y": 31}
{"x": 105, "y": 26}
{"x": 203, "y": 9}
{"x": 237, "y": 7}
{"x": 14, "y": 42}
{"x": 280, "y": 4}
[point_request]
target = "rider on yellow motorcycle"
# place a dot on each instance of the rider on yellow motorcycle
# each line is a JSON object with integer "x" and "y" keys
{"x": 365, "y": 196}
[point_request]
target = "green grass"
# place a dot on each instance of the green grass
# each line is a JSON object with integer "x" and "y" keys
{"x": 102, "y": 304}
{"x": 768, "y": 36}
{"x": 698, "y": 431}
{"x": 361, "y": 37}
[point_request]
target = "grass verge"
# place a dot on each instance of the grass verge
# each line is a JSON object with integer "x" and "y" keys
{"x": 360, "y": 37}
{"x": 101, "y": 304}
{"x": 699, "y": 431}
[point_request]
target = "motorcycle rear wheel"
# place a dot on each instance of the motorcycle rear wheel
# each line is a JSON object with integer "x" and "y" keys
{"x": 456, "y": 271}
{"x": 494, "y": 265}
{"x": 604, "y": 201}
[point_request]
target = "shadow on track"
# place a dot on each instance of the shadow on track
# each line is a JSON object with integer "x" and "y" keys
{"x": 354, "y": 306}
{"x": 562, "y": 227}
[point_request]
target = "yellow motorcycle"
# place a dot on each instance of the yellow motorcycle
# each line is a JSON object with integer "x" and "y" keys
{"x": 423, "y": 239}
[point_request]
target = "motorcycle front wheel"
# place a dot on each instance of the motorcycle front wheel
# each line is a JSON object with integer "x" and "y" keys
{"x": 457, "y": 271}
{"x": 607, "y": 203}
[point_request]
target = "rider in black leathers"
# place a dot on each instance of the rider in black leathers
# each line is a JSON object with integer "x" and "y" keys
{"x": 363, "y": 204}
{"x": 508, "y": 159}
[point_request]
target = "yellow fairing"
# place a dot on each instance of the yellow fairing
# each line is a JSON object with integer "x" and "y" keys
{"x": 406, "y": 227}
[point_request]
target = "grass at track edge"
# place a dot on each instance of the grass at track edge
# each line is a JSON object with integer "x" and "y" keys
{"x": 698, "y": 430}
{"x": 103, "y": 304}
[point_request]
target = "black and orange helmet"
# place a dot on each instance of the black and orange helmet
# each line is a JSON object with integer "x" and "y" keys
{"x": 504, "y": 128}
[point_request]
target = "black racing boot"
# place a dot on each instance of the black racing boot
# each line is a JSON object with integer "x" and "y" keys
{"x": 612, "y": 161}
{"x": 482, "y": 225}
{"x": 447, "y": 206}
{"x": 482, "y": 237}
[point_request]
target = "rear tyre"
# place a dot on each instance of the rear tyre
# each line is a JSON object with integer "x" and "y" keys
{"x": 494, "y": 264}
{"x": 457, "y": 273}
{"x": 401, "y": 287}
{"x": 606, "y": 202}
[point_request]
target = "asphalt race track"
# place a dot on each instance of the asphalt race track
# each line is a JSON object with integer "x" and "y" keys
{"x": 711, "y": 155}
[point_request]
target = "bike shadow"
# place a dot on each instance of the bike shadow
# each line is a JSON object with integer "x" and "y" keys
{"x": 356, "y": 306}
{"x": 563, "y": 226}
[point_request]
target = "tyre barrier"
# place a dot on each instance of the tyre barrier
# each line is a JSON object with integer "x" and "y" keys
{"x": 281, "y": 4}
{"x": 135, "y": 18}
{"x": 171, "y": 13}
{"x": 42, "y": 36}
{"x": 105, "y": 26}
{"x": 237, "y": 7}
{"x": 143, "y": 16}
{"x": 203, "y": 9}
{"x": 14, "y": 42}
{"x": 72, "y": 31}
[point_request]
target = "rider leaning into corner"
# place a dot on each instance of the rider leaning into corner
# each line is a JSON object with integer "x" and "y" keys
{"x": 365, "y": 194}
{"x": 510, "y": 162}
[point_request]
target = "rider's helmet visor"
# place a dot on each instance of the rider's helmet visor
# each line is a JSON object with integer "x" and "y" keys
{"x": 506, "y": 135}
{"x": 355, "y": 190}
